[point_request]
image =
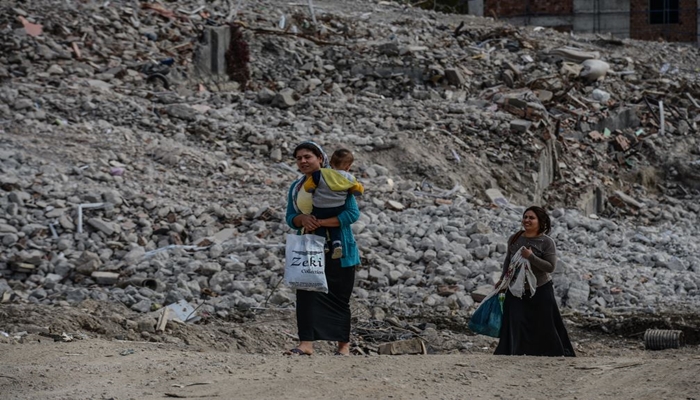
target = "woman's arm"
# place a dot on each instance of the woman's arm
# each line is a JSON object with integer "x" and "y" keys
{"x": 292, "y": 213}
{"x": 349, "y": 216}
{"x": 549, "y": 258}
{"x": 506, "y": 262}
{"x": 546, "y": 263}
{"x": 332, "y": 222}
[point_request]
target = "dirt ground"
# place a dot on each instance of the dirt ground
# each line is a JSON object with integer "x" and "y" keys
{"x": 244, "y": 360}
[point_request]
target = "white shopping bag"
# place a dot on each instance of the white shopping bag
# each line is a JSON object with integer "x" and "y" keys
{"x": 525, "y": 277}
{"x": 305, "y": 263}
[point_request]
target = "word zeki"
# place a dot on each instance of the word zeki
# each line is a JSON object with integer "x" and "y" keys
{"x": 306, "y": 262}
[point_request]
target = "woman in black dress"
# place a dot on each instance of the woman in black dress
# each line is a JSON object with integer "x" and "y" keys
{"x": 532, "y": 324}
{"x": 323, "y": 316}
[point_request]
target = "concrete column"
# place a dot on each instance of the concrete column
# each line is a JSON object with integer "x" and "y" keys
{"x": 697, "y": 23}
{"x": 210, "y": 55}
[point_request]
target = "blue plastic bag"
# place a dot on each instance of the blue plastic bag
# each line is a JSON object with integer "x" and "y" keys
{"x": 486, "y": 320}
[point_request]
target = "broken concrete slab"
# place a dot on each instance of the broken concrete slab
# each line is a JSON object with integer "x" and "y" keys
{"x": 520, "y": 125}
{"x": 455, "y": 77}
{"x": 410, "y": 346}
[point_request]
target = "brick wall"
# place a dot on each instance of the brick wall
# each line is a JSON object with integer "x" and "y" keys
{"x": 514, "y": 8}
{"x": 685, "y": 31}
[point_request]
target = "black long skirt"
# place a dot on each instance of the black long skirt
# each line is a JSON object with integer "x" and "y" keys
{"x": 533, "y": 326}
{"x": 322, "y": 316}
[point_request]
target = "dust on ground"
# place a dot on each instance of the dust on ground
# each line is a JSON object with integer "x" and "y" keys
{"x": 243, "y": 358}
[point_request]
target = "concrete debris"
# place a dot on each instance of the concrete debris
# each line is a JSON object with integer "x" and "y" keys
{"x": 135, "y": 169}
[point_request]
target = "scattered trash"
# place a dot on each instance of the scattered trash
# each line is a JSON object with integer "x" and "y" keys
{"x": 184, "y": 311}
{"x": 81, "y": 207}
{"x": 63, "y": 337}
{"x": 126, "y": 352}
{"x": 594, "y": 69}
{"x": 497, "y": 198}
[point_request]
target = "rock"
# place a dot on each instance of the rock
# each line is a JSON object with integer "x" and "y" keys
{"x": 75, "y": 296}
{"x": 389, "y": 49}
{"x": 112, "y": 197}
{"x": 105, "y": 277}
{"x": 477, "y": 228}
{"x": 454, "y": 77}
{"x": 481, "y": 252}
{"x": 105, "y": 227}
{"x": 600, "y": 96}
{"x": 142, "y": 306}
{"x": 410, "y": 346}
{"x": 87, "y": 263}
{"x": 265, "y": 96}
{"x": 280, "y": 299}
{"x": 394, "y": 205}
{"x": 99, "y": 84}
{"x": 134, "y": 256}
{"x": 676, "y": 264}
{"x": 55, "y": 70}
{"x": 9, "y": 239}
{"x": 276, "y": 155}
{"x": 34, "y": 257}
{"x": 481, "y": 292}
{"x": 285, "y": 98}
{"x": 577, "y": 294}
{"x": 18, "y": 197}
{"x": 39, "y": 293}
{"x": 4, "y": 287}
{"x": 210, "y": 268}
{"x": 23, "y": 104}
{"x": 5, "y": 228}
{"x": 181, "y": 111}
{"x": 520, "y": 125}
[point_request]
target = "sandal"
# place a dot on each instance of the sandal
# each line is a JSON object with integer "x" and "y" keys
{"x": 296, "y": 352}
{"x": 337, "y": 353}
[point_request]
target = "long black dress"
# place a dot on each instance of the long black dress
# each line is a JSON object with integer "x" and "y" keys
{"x": 533, "y": 326}
{"x": 322, "y": 316}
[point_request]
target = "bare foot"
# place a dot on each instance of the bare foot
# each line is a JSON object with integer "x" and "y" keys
{"x": 343, "y": 349}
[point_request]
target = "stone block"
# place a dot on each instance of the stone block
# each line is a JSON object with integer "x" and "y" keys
{"x": 455, "y": 77}
{"x": 520, "y": 125}
{"x": 410, "y": 346}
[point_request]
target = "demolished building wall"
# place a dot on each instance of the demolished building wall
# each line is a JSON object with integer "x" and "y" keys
{"x": 622, "y": 18}
{"x": 676, "y": 25}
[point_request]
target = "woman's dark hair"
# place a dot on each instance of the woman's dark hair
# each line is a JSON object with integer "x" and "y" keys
{"x": 310, "y": 147}
{"x": 542, "y": 218}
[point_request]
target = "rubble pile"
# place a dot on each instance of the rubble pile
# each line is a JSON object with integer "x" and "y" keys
{"x": 129, "y": 175}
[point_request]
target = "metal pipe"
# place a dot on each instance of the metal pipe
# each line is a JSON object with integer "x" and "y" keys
{"x": 140, "y": 282}
{"x": 659, "y": 339}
